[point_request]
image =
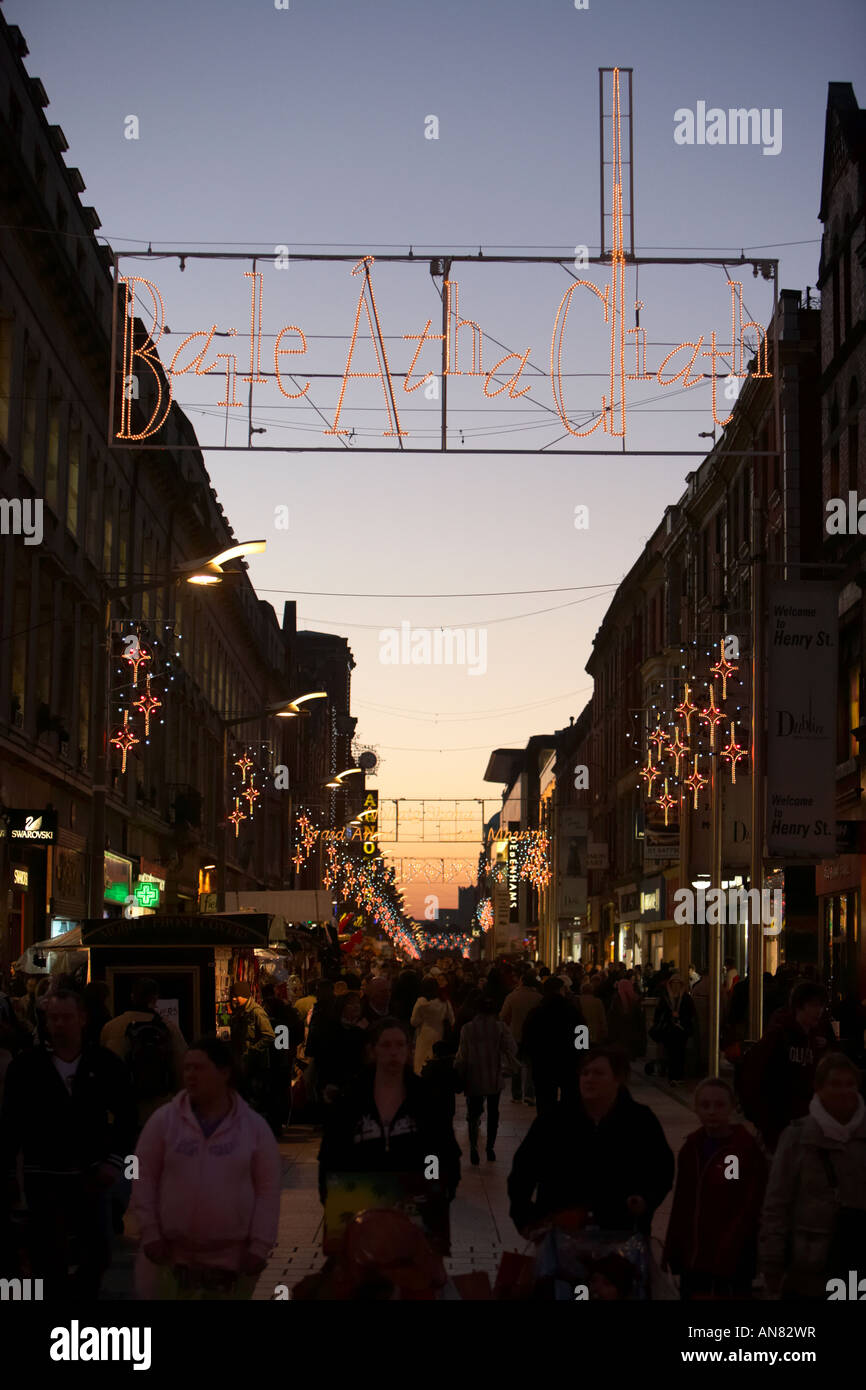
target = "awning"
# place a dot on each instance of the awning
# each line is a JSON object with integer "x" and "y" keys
{"x": 61, "y": 954}
{"x": 297, "y": 905}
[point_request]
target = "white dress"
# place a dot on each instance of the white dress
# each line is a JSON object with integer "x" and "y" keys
{"x": 429, "y": 1016}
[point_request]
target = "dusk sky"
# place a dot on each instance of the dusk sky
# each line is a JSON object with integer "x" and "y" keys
{"x": 307, "y": 127}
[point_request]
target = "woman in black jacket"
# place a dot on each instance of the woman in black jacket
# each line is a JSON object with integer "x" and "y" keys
{"x": 391, "y": 1122}
{"x": 604, "y": 1155}
{"x": 673, "y": 1025}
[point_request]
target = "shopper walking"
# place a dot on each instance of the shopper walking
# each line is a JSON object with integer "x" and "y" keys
{"x": 391, "y": 1120}
{"x": 151, "y": 1048}
{"x": 252, "y": 1042}
{"x": 431, "y": 1016}
{"x": 487, "y": 1049}
{"x": 599, "y": 1152}
{"x": 721, "y": 1177}
{"x": 208, "y": 1193}
{"x": 813, "y": 1224}
{"x": 776, "y": 1080}
{"x": 516, "y": 1009}
{"x": 548, "y": 1041}
{"x": 69, "y": 1119}
{"x": 673, "y": 1025}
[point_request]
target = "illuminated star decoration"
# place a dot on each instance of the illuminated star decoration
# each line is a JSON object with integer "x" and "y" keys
{"x": 244, "y": 762}
{"x": 712, "y": 716}
{"x": 658, "y": 737}
{"x": 649, "y": 774}
{"x": 237, "y": 816}
{"x": 677, "y": 751}
{"x": 125, "y": 739}
{"x": 666, "y": 801}
{"x": 147, "y": 703}
{"x": 686, "y": 710}
{"x": 724, "y": 669}
{"x": 251, "y": 795}
{"x": 733, "y": 752}
{"x": 696, "y": 782}
{"x": 136, "y": 656}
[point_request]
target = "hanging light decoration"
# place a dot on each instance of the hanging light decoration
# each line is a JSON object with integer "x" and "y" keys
{"x": 724, "y": 669}
{"x": 732, "y": 752}
{"x": 712, "y": 716}
{"x": 666, "y": 802}
{"x": 677, "y": 750}
{"x": 244, "y": 762}
{"x": 147, "y": 703}
{"x": 237, "y": 816}
{"x": 686, "y": 709}
{"x": 696, "y": 782}
{"x": 125, "y": 739}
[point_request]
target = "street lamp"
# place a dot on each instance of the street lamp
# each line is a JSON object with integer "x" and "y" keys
{"x": 205, "y": 571}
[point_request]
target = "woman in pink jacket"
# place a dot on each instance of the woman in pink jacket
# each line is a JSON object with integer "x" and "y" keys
{"x": 207, "y": 1196}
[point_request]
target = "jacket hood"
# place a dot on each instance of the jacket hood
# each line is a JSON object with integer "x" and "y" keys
{"x": 184, "y": 1112}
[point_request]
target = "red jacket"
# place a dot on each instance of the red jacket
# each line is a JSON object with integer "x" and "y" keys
{"x": 714, "y": 1219}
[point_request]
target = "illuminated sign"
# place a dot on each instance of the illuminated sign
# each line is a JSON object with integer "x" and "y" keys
{"x": 117, "y": 892}
{"x": 369, "y": 818}
{"x": 142, "y": 398}
{"x": 20, "y": 878}
{"x": 146, "y": 893}
{"x": 33, "y": 827}
{"x": 140, "y": 298}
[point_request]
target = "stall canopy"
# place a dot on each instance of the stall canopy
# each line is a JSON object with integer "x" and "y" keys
{"x": 187, "y": 929}
{"x": 61, "y": 954}
{"x": 293, "y": 905}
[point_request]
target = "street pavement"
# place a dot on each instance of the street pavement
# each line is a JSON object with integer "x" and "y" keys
{"x": 481, "y": 1229}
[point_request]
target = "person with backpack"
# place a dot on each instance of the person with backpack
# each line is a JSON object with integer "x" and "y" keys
{"x": 152, "y": 1048}
{"x": 252, "y": 1041}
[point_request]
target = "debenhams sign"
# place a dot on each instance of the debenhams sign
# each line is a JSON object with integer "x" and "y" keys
{"x": 32, "y": 827}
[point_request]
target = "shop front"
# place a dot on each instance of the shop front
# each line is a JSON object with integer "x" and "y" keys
{"x": 194, "y": 960}
{"x": 839, "y": 888}
{"x": 627, "y": 914}
{"x": 28, "y": 837}
{"x": 648, "y": 930}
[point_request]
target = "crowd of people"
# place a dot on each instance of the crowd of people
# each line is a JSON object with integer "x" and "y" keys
{"x": 101, "y": 1113}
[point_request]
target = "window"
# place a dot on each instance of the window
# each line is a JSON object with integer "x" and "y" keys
{"x": 846, "y": 288}
{"x": 5, "y": 377}
{"x": 52, "y": 452}
{"x": 853, "y": 436}
{"x": 85, "y": 675}
{"x": 108, "y": 542}
{"x": 73, "y": 466}
{"x": 45, "y": 644}
{"x": 94, "y": 534}
{"x": 834, "y": 450}
{"x": 20, "y": 629}
{"x": 28, "y": 432}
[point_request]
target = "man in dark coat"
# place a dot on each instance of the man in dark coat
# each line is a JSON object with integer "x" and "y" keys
{"x": 603, "y": 1154}
{"x": 777, "y": 1078}
{"x": 548, "y": 1043}
{"x": 69, "y": 1112}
